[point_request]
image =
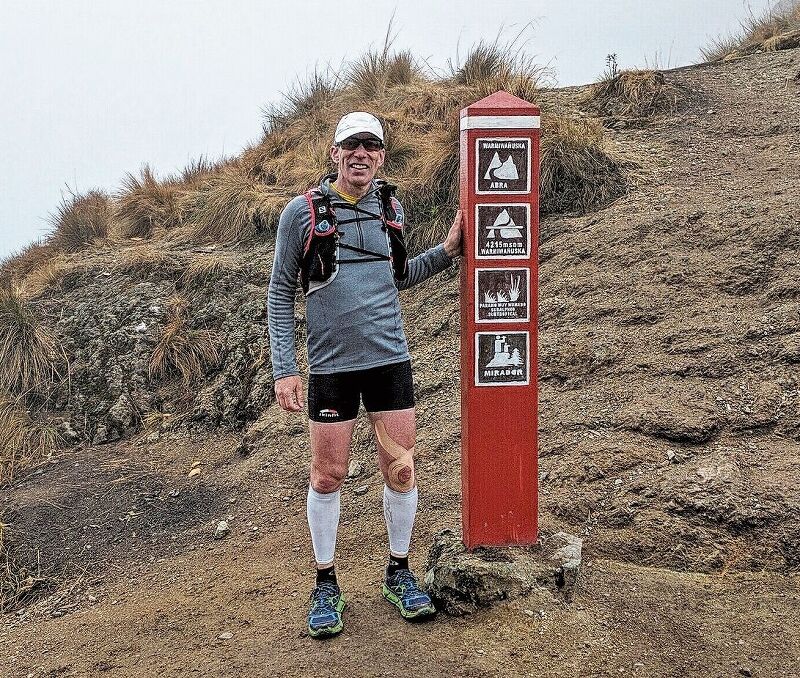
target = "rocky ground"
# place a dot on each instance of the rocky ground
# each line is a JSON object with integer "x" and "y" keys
{"x": 670, "y": 436}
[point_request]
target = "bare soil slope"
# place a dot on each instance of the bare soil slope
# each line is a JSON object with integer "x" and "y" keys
{"x": 670, "y": 441}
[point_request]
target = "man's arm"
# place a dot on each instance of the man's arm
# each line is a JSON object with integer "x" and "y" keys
{"x": 282, "y": 288}
{"x": 436, "y": 259}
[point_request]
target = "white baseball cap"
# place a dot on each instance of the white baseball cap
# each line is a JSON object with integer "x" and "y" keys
{"x": 355, "y": 123}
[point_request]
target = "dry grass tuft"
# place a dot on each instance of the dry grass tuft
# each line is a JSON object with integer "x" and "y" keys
{"x": 637, "y": 94}
{"x": 52, "y": 275}
{"x": 16, "y": 267}
{"x": 146, "y": 205}
{"x": 490, "y": 67}
{"x": 146, "y": 260}
{"x": 777, "y": 28}
{"x": 374, "y": 73}
{"x": 28, "y": 350}
{"x": 306, "y": 97}
{"x": 182, "y": 350}
{"x": 81, "y": 221}
{"x": 204, "y": 269}
{"x": 18, "y": 584}
{"x": 24, "y": 440}
{"x": 236, "y": 207}
{"x": 578, "y": 169}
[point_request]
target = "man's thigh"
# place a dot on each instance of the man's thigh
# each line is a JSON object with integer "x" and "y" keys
{"x": 333, "y": 401}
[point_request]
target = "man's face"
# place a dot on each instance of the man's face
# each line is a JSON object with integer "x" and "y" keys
{"x": 359, "y": 166}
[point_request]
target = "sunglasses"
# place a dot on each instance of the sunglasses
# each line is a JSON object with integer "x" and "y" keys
{"x": 352, "y": 143}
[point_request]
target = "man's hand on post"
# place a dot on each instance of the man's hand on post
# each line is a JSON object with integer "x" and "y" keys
{"x": 289, "y": 393}
{"x": 452, "y": 243}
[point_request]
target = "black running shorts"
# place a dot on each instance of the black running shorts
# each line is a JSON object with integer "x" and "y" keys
{"x": 336, "y": 397}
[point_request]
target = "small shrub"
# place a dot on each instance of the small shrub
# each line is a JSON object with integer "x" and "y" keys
{"x": 638, "y": 94}
{"x": 81, "y": 221}
{"x": 24, "y": 440}
{"x": 181, "y": 349}
{"x": 28, "y": 350}
{"x": 578, "y": 170}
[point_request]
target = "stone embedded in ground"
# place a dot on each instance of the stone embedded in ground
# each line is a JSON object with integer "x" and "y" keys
{"x": 223, "y": 529}
{"x": 665, "y": 417}
{"x": 461, "y": 581}
{"x": 355, "y": 469}
{"x": 361, "y": 490}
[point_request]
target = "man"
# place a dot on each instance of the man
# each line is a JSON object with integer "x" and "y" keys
{"x": 345, "y": 240}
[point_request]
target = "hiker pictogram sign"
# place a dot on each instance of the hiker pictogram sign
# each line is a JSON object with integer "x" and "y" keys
{"x": 499, "y": 196}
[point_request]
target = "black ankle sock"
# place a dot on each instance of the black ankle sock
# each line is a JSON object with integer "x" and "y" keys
{"x": 326, "y": 574}
{"x": 396, "y": 563}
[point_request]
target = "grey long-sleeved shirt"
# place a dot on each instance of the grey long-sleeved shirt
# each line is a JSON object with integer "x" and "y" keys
{"x": 354, "y": 322}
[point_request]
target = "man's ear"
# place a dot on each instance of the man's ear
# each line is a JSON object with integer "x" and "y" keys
{"x": 382, "y": 157}
{"x": 335, "y": 150}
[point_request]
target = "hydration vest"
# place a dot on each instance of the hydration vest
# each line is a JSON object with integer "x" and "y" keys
{"x": 321, "y": 259}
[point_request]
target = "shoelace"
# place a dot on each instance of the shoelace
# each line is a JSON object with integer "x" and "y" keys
{"x": 407, "y": 580}
{"x": 322, "y": 598}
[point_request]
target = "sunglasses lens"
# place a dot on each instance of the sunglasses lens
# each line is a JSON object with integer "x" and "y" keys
{"x": 351, "y": 144}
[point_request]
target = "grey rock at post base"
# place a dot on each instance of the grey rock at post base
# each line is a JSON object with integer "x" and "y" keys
{"x": 461, "y": 581}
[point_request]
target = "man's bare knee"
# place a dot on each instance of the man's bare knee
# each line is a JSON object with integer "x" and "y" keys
{"x": 326, "y": 478}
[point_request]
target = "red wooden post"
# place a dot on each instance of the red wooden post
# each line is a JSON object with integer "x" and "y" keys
{"x": 499, "y": 198}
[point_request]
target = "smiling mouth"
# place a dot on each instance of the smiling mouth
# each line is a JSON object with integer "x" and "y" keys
{"x": 358, "y": 166}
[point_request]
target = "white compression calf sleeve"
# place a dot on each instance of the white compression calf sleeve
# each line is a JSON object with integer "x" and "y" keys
{"x": 323, "y": 521}
{"x": 399, "y": 509}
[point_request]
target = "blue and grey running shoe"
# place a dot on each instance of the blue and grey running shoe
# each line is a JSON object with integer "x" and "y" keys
{"x": 325, "y": 613}
{"x": 402, "y": 591}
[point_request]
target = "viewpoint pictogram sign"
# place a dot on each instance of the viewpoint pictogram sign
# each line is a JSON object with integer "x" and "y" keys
{"x": 499, "y": 196}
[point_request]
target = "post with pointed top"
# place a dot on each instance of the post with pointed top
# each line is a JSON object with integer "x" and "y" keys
{"x": 499, "y": 178}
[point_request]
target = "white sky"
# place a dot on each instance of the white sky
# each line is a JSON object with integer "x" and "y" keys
{"x": 92, "y": 89}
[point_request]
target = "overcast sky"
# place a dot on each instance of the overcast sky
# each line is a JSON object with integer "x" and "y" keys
{"x": 92, "y": 89}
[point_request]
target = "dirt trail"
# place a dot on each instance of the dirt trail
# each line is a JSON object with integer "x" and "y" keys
{"x": 670, "y": 439}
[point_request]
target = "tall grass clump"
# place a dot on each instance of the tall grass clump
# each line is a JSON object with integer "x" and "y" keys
{"x": 306, "y": 97}
{"x": 490, "y": 67}
{"x": 145, "y": 204}
{"x": 81, "y": 221}
{"x": 23, "y": 440}
{"x": 18, "y": 583}
{"x": 578, "y": 169}
{"x": 374, "y": 73}
{"x": 28, "y": 350}
{"x": 236, "y": 207}
{"x": 16, "y": 267}
{"x": 631, "y": 93}
{"x": 775, "y": 29}
{"x": 182, "y": 350}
